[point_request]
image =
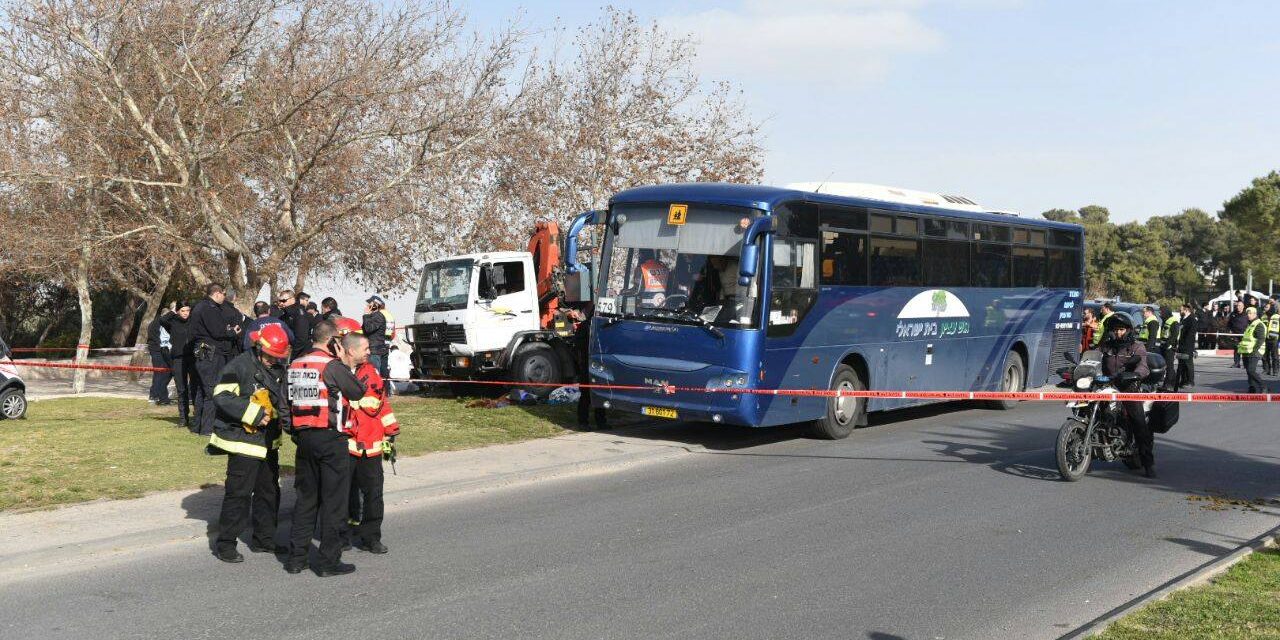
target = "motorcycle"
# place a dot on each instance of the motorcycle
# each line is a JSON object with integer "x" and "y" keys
{"x": 1096, "y": 428}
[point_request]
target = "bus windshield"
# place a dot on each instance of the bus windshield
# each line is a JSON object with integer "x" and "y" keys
{"x": 446, "y": 286}
{"x": 682, "y": 273}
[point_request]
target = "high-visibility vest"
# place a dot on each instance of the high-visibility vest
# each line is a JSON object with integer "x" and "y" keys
{"x": 1102, "y": 329}
{"x": 1169, "y": 322}
{"x": 308, "y": 394}
{"x": 1273, "y": 328}
{"x": 1249, "y": 341}
{"x": 1146, "y": 332}
{"x": 653, "y": 276}
{"x": 390, "y": 331}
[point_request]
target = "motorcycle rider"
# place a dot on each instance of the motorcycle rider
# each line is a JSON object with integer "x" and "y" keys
{"x": 1119, "y": 351}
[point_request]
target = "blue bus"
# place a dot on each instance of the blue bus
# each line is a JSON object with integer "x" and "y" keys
{"x": 833, "y": 286}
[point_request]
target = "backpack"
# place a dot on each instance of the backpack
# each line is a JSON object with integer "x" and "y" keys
{"x": 1163, "y": 416}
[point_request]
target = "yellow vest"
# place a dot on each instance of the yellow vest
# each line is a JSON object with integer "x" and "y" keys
{"x": 1102, "y": 328}
{"x": 1273, "y": 328}
{"x": 1249, "y": 341}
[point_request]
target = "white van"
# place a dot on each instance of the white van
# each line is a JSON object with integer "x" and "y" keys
{"x": 13, "y": 391}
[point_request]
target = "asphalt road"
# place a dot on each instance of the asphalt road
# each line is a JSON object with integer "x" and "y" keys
{"x": 948, "y": 522}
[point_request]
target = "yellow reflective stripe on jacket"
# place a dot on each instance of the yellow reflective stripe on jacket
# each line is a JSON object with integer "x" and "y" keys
{"x": 230, "y": 387}
{"x": 1274, "y": 325}
{"x": 390, "y": 327}
{"x": 243, "y": 448}
{"x": 252, "y": 414}
{"x": 369, "y": 402}
{"x": 388, "y": 419}
{"x": 375, "y": 448}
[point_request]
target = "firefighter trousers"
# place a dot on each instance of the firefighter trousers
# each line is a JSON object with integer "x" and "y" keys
{"x": 321, "y": 482}
{"x": 252, "y": 487}
{"x": 365, "y": 506}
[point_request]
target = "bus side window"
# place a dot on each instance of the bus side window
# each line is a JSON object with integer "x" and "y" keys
{"x": 795, "y": 284}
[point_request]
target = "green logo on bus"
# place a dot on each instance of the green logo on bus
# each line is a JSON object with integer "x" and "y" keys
{"x": 939, "y": 301}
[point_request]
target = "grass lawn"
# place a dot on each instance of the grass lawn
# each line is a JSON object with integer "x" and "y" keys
{"x": 1242, "y": 603}
{"x": 78, "y": 449}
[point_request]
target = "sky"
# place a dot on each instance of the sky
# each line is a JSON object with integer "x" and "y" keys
{"x": 1144, "y": 107}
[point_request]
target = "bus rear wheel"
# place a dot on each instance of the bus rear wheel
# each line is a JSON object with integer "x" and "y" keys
{"x": 1012, "y": 380}
{"x": 843, "y": 414}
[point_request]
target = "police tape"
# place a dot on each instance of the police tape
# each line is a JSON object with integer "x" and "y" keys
{"x": 1022, "y": 396}
{"x": 89, "y": 367}
{"x": 66, "y": 349}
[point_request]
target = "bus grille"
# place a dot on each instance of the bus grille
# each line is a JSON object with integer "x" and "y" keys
{"x": 1063, "y": 340}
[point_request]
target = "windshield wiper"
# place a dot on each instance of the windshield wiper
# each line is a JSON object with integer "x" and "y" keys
{"x": 683, "y": 315}
{"x": 442, "y": 306}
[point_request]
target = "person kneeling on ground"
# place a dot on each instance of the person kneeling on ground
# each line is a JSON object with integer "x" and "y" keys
{"x": 252, "y": 407}
{"x": 371, "y": 431}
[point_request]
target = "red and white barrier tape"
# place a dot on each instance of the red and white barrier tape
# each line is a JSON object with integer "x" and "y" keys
{"x": 1024, "y": 396}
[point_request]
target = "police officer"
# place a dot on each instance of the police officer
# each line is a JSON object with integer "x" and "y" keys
{"x": 252, "y": 405}
{"x": 1107, "y": 312}
{"x": 185, "y": 380}
{"x": 214, "y": 340}
{"x": 318, "y": 382}
{"x": 1252, "y": 346}
{"x": 1150, "y": 332}
{"x": 1169, "y": 334}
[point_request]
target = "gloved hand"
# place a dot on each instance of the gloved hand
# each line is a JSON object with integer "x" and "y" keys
{"x": 388, "y": 447}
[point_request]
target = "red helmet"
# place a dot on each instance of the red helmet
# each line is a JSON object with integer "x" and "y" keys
{"x": 347, "y": 325}
{"x": 271, "y": 340}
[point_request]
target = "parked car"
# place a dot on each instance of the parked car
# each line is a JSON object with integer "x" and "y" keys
{"x": 13, "y": 391}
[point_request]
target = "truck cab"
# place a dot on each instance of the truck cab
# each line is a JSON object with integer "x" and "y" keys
{"x": 501, "y": 315}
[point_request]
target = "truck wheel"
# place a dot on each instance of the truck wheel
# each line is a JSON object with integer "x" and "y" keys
{"x": 537, "y": 366}
{"x": 843, "y": 414}
{"x": 13, "y": 404}
{"x": 1013, "y": 379}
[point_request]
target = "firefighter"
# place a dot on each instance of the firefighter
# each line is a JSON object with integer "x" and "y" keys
{"x": 252, "y": 406}
{"x": 371, "y": 432}
{"x": 319, "y": 381}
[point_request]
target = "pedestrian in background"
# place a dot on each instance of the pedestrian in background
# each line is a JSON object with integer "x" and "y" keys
{"x": 177, "y": 322}
{"x": 159, "y": 347}
{"x": 1186, "y": 352}
{"x": 1270, "y": 358}
{"x": 1236, "y": 323}
{"x": 1087, "y": 327}
{"x": 329, "y": 309}
{"x": 262, "y": 318}
{"x": 582, "y": 362}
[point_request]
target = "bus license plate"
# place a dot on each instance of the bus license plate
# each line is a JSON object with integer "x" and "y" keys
{"x": 659, "y": 412}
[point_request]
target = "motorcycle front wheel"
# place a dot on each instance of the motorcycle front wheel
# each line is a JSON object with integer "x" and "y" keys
{"x": 1073, "y": 451}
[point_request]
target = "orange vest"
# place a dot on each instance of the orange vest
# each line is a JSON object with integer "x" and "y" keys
{"x": 308, "y": 394}
{"x": 368, "y": 426}
{"x": 653, "y": 276}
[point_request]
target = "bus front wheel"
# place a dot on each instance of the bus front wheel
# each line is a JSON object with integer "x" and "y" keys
{"x": 1012, "y": 380}
{"x": 843, "y": 414}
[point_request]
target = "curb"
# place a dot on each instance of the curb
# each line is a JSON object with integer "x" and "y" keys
{"x": 61, "y": 557}
{"x": 1192, "y": 578}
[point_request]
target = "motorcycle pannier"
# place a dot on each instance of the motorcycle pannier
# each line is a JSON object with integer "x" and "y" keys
{"x": 1163, "y": 416}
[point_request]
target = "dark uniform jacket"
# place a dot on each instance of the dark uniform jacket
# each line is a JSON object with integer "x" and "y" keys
{"x": 153, "y": 335}
{"x": 246, "y": 391}
{"x": 1187, "y": 337}
{"x": 209, "y": 322}
{"x": 179, "y": 333}
{"x": 374, "y": 326}
{"x": 300, "y": 322}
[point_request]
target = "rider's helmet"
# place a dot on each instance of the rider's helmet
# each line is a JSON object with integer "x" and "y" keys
{"x": 1119, "y": 319}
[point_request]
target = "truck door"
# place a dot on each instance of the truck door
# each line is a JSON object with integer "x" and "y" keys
{"x": 507, "y": 302}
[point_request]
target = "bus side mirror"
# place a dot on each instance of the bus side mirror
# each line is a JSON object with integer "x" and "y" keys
{"x": 571, "y": 243}
{"x": 750, "y": 250}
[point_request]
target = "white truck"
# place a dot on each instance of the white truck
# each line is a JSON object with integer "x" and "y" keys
{"x": 502, "y": 315}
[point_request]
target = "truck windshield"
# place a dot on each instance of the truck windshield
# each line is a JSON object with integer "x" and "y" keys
{"x": 682, "y": 273}
{"x": 446, "y": 285}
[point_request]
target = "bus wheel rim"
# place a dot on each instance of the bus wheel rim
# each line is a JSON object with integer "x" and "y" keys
{"x": 845, "y": 407}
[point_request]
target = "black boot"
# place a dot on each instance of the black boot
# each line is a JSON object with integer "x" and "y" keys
{"x": 230, "y": 556}
{"x": 340, "y": 569}
{"x": 1149, "y": 471}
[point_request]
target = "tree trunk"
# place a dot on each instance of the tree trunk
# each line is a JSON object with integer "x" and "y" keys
{"x": 304, "y": 266}
{"x": 151, "y": 305}
{"x": 128, "y": 320}
{"x": 86, "y": 317}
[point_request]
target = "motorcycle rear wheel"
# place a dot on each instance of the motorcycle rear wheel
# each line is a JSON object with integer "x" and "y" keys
{"x": 1073, "y": 452}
